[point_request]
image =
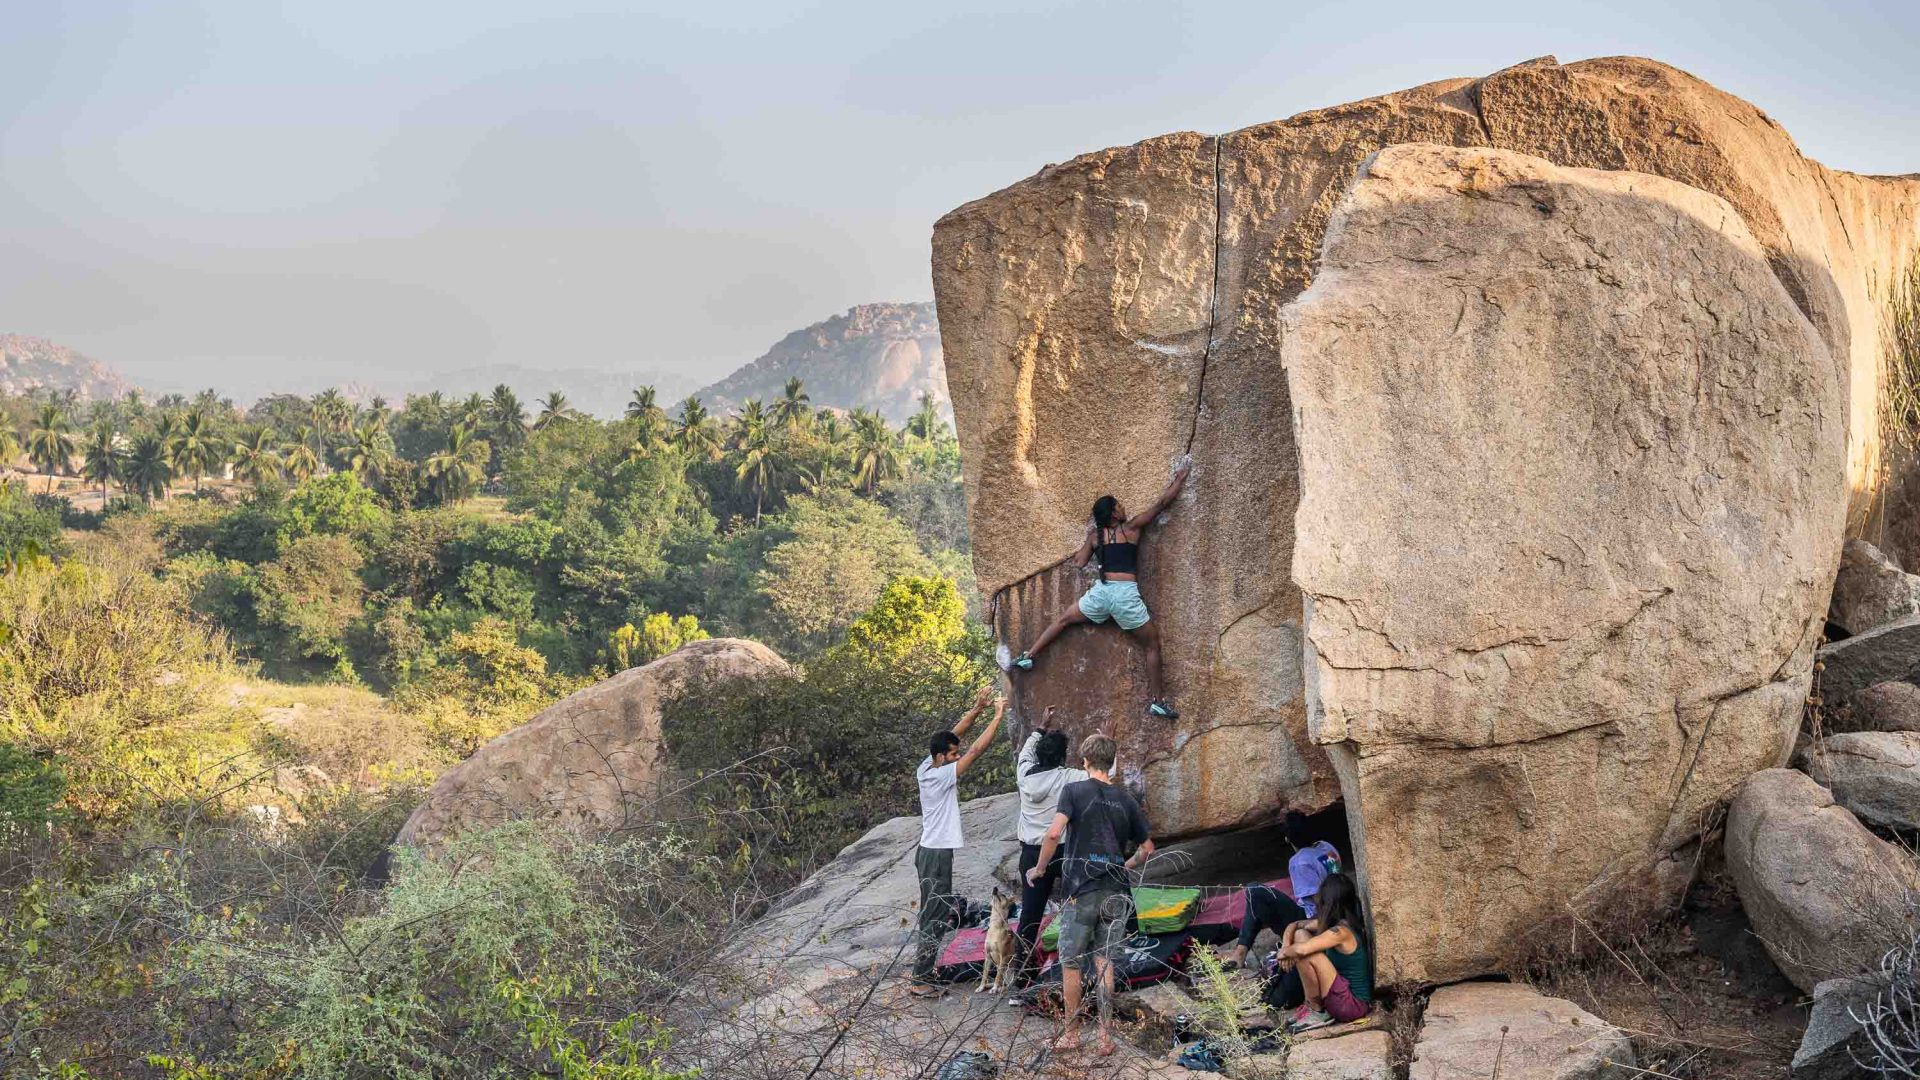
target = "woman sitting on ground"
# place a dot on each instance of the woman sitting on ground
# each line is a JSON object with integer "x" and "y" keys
{"x": 1334, "y": 956}
{"x": 1113, "y": 539}
{"x": 1043, "y": 772}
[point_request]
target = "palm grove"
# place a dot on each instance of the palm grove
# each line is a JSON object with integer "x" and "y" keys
{"x": 314, "y": 605}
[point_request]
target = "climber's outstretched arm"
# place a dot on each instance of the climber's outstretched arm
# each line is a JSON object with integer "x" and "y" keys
{"x": 1145, "y": 517}
{"x": 1086, "y": 546}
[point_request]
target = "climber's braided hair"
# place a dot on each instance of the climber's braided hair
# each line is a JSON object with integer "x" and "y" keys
{"x": 1103, "y": 508}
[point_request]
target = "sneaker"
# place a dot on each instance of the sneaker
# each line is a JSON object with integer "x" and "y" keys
{"x": 1024, "y": 662}
{"x": 1314, "y": 1018}
{"x": 1158, "y": 708}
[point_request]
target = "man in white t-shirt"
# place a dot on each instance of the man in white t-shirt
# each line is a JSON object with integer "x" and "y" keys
{"x": 939, "y": 776}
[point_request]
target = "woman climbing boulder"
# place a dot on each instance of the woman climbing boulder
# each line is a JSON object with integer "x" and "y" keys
{"x": 1113, "y": 541}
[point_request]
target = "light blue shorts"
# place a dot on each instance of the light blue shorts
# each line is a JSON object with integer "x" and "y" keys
{"x": 1116, "y": 600}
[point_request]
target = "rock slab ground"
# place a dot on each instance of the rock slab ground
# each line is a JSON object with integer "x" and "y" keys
{"x": 1875, "y": 774}
{"x": 1130, "y": 308}
{"x": 1871, "y": 590}
{"x": 1474, "y": 1031}
{"x": 1363, "y": 1055}
{"x": 587, "y": 761}
{"x": 1826, "y": 896}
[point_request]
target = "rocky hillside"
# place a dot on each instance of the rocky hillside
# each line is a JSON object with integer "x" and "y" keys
{"x": 28, "y": 363}
{"x": 876, "y": 356}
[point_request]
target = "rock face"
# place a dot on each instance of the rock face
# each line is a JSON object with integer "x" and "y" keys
{"x": 1826, "y": 896}
{"x": 1870, "y": 590}
{"x": 1889, "y": 653}
{"x": 1875, "y": 774}
{"x": 1834, "y": 1042}
{"x": 1886, "y": 706}
{"x": 1115, "y": 313}
{"x": 1476, "y": 1030}
{"x": 589, "y": 759}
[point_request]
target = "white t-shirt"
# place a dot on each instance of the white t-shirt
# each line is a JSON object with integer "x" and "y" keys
{"x": 939, "y": 804}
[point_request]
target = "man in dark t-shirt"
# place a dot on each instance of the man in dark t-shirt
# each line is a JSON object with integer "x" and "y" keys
{"x": 1106, "y": 838}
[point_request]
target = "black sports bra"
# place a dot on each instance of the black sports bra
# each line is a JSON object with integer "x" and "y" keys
{"x": 1119, "y": 558}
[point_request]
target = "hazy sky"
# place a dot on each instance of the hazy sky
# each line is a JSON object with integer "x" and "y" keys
{"x": 247, "y": 194}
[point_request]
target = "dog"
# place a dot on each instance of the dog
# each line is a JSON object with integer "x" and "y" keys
{"x": 998, "y": 965}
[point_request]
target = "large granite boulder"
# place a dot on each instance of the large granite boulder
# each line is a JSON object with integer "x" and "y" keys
{"x": 1871, "y": 590}
{"x": 1826, "y": 897}
{"x": 1875, "y": 774}
{"x": 1511, "y": 377}
{"x": 1117, "y": 313}
{"x": 589, "y": 760}
{"x": 1477, "y": 1030}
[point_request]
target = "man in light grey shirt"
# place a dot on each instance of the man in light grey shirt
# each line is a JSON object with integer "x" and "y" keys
{"x": 1043, "y": 772}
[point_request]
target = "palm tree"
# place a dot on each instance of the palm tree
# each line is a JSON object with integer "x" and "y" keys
{"x": 762, "y": 460}
{"x": 9, "y": 443}
{"x": 194, "y": 447}
{"x": 876, "y": 458}
{"x": 554, "y": 410}
{"x": 300, "y": 460}
{"x": 148, "y": 468}
{"x": 695, "y": 433}
{"x": 506, "y": 417}
{"x": 793, "y": 409}
{"x": 100, "y": 457}
{"x": 256, "y": 456}
{"x": 649, "y": 420}
{"x": 831, "y": 429}
{"x": 458, "y": 468}
{"x": 50, "y": 440}
{"x": 473, "y": 410}
{"x": 752, "y": 418}
{"x": 925, "y": 423}
{"x": 368, "y": 451}
{"x": 378, "y": 412}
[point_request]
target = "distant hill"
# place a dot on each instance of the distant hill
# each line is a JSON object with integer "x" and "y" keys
{"x": 877, "y": 356}
{"x": 27, "y": 363}
{"x": 601, "y": 393}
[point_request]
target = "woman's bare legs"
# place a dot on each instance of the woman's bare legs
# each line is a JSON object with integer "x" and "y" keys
{"x": 1316, "y": 978}
{"x": 1065, "y": 619}
{"x": 1148, "y": 634}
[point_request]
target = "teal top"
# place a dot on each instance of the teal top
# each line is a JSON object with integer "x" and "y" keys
{"x": 1355, "y": 968}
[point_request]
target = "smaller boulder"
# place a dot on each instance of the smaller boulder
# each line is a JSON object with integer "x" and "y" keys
{"x": 1363, "y": 1055}
{"x": 1828, "y": 1051}
{"x": 1884, "y": 653}
{"x": 1885, "y": 706}
{"x": 589, "y": 760}
{"x": 1875, "y": 774}
{"x": 1871, "y": 590}
{"x": 1477, "y": 1030}
{"x": 1826, "y": 896}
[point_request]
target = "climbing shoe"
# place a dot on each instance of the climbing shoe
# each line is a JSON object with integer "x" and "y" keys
{"x": 1159, "y": 708}
{"x": 1024, "y": 662}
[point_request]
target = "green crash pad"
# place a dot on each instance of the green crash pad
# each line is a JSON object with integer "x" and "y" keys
{"x": 1158, "y": 909}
